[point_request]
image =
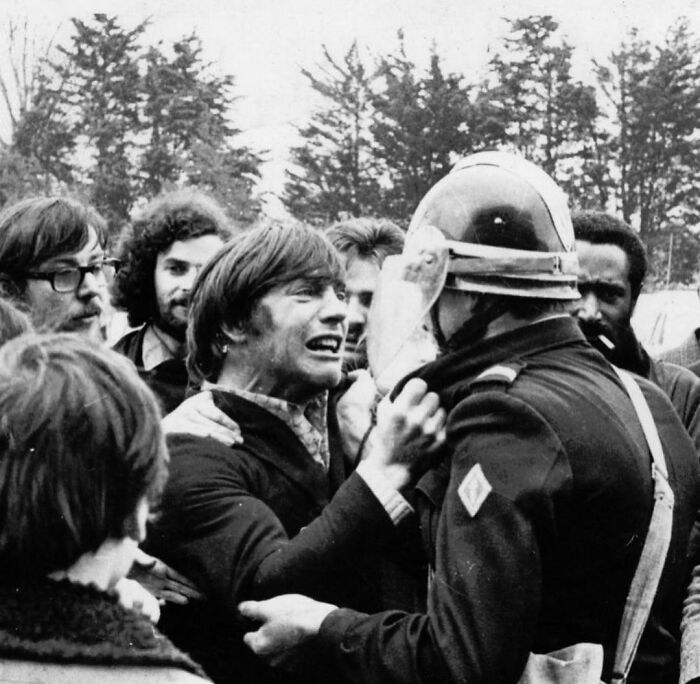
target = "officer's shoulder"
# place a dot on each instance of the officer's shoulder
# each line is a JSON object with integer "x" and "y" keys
{"x": 499, "y": 376}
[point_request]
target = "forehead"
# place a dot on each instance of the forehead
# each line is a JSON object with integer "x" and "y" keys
{"x": 602, "y": 262}
{"x": 91, "y": 248}
{"x": 361, "y": 274}
{"x": 196, "y": 250}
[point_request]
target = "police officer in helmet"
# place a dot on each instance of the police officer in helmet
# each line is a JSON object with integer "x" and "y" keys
{"x": 535, "y": 519}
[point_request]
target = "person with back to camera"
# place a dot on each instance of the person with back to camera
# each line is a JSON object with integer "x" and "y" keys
{"x": 54, "y": 267}
{"x": 81, "y": 461}
{"x": 536, "y": 519}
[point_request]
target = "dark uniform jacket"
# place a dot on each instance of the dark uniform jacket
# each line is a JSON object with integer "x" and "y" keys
{"x": 256, "y": 520}
{"x": 168, "y": 380}
{"x": 535, "y": 522}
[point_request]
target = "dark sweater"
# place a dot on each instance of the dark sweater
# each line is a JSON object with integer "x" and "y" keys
{"x": 256, "y": 520}
{"x": 169, "y": 380}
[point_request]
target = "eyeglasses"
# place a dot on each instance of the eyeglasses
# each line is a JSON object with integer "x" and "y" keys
{"x": 70, "y": 279}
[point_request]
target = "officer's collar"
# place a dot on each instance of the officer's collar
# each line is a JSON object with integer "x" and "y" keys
{"x": 462, "y": 364}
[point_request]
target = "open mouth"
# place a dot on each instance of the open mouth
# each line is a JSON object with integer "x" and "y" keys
{"x": 327, "y": 344}
{"x": 180, "y": 303}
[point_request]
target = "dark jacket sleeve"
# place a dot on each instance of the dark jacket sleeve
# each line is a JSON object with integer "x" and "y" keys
{"x": 683, "y": 389}
{"x": 486, "y": 590}
{"x": 215, "y": 530}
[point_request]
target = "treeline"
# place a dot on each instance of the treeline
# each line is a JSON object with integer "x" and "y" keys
{"x": 117, "y": 120}
{"x": 627, "y": 141}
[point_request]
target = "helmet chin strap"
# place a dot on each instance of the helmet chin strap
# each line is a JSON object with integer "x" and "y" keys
{"x": 437, "y": 330}
{"x": 485, "y": 311}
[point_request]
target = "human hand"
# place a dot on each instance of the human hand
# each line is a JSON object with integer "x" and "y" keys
{"x": 162, "y": 581}
{"x": 134, "y": 597}
{"x": 288, "y": 622}
{"x": 409, "y": 432}
{"x": 199, "y": 416}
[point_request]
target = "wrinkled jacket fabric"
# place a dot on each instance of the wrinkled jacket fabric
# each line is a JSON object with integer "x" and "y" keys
{"x": 546, "y": 559}
{"x": 259, "y": 519}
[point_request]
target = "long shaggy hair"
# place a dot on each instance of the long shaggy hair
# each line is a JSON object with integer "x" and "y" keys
{"x": 249, "y": 266}
{"x": 178, "y": 215}
{"x": 37, "y": 229}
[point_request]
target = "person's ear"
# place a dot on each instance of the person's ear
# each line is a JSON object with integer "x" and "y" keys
{"x": 135, "y": 524}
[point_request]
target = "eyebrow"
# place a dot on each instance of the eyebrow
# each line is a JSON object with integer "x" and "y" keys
{"x": 71, "y": 260}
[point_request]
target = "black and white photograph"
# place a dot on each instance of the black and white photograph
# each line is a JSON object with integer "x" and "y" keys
{"x": 350, "y": 342}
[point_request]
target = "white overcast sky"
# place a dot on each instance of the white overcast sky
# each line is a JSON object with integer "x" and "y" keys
{"x": 265, "y": 43}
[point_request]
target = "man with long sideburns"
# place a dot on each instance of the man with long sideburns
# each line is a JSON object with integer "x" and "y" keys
{"x": 279, "y": 511}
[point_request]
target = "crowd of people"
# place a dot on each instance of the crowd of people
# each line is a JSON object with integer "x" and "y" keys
{"x": 229, "y": 493}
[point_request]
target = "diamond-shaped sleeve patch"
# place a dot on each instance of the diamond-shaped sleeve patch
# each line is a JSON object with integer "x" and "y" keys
{"x": 474, "y": 490}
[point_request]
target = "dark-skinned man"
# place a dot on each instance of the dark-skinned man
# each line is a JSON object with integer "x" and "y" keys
{"x": 612, "y": 266}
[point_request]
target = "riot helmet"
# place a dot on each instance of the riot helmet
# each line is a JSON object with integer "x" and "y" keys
{"x": 508, "y": 228}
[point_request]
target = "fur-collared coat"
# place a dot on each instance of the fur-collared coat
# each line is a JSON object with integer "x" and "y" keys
{"x": 59, "y": 632}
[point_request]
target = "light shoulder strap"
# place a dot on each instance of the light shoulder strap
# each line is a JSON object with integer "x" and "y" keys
{"x": 653, "y": 557}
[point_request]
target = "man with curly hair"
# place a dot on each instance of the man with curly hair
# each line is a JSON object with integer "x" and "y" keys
{"x": 162, "y": 253}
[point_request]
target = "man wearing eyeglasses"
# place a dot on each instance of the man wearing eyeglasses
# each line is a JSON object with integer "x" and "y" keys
{"x": 53, "y": 263}
{"x": 53, "y": 267}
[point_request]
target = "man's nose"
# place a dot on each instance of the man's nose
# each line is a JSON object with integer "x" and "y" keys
{"x": 588, "y": 307}
{"x": 333, "y": 307}
{"x": 356, "y": 313}
{"x": 91, "y": 285}
{"x": 187, "y": 279}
